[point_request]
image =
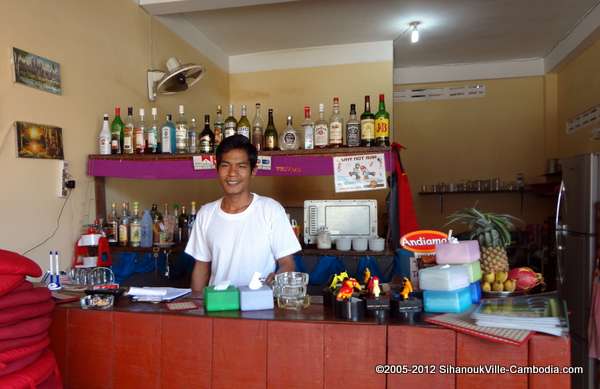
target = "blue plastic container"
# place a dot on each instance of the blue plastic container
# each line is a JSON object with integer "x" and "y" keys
{"x": 475, "y": 292}
{"x": 453, "y": 301}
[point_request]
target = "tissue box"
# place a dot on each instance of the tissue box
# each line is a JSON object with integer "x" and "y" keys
{"x": 465, "y": 251}
{"x": 443, "y": 278}
{"x": 454, "y": 301}
{"x": 254, "y": 300}
{"x": 221, "y": 300}
{"x": 473, "y": 269}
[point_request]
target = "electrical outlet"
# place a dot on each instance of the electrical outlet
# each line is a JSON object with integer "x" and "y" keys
{"x": 62, "y": 179}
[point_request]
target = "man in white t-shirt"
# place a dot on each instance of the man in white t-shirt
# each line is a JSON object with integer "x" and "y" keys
{"x": 242, "y": 232}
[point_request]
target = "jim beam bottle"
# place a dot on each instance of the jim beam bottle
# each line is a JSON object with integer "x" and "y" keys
{"x": 336, "y": 125}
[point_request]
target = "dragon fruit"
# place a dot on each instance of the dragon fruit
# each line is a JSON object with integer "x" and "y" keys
{"x": 525, "y": 278}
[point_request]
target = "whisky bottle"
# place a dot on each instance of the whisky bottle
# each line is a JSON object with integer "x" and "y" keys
{"x": 289, "y": 137}
{"x": 257, "y": 129}
{"x": 309, "y": 130}
{"x": 270, "y": 140}
{"x": 138, "y": 134}
{"x": 135, "y": 227}
{"x": 243, "y": 125}
{"x": 128, "y": 133}
{"x": 116, "y": 133}
{"x": 353, "y": 128}
{"x": 321, "y": 129}
{"x": 382, "y": 124}
{"x": 207, "y": 138}
{"x": 230, "y": 125}
{"x": 218, "y": 126}
{"x": 367, "y": 125}
{"x": 181, "y": 133}
{"x": 124, "y": 226}
{"x": 113, "y": 223}
{"x": 336, "y": 125}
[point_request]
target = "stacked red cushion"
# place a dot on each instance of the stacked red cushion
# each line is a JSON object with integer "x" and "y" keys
{"x": 25, "y": 316}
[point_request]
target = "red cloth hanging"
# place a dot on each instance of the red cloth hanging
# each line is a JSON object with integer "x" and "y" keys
{"x": 407, "y": 216}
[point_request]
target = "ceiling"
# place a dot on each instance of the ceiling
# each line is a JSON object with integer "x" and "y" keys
{"x": 452, "y": 31}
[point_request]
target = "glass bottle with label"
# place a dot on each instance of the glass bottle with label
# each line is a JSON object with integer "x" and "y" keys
{"x": 167, "y": 136}
{"x": 175, "y": 224}
{"x": 353, "y": 128}
{"x": 170, "y": 222}
{"x": 309, "y": 130}
{"x": 152, "y": 138}
{"x": 243, "y": 125}
{"x": 128, "y": 133}
{"x": 207, "y": 138}
{"x": 113, "y": 222}
{"x": 138, "y": 134}
{"x": 182, "y": 224}
{"x": 382, "y": 124}
{"x": 192, "y": 218}
{"x": 336, "y": 125}
{"x": 104, "y": 138}
{"x": 270, "y": 141}
{"x": 289, "y": 137}
{"x": 146, "y": 230}
{"x": 219, "y": 126}
{"x": 192, "y": 138}
{"x": 367, "y": 125}
{"x": 181, "y": 133}
{"x": 230, "y": 125}
{"x": 157, "y": 230}
{"x": 116, "y": 133}
{"x": 124, "y": 226}
{"x": 321, "y": 129}
{"x": 135, "y": 227}
{"x": 257, "y": 129}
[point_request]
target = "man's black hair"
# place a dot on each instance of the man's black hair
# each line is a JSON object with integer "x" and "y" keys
{"x": 237, "y": 142}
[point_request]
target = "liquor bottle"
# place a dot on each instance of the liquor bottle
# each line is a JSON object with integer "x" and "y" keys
{"x": 309, "y": 130}
{"x": 154, "y": 211}
{"x": 104, "y": 139}
{"x": 128, "y": 133}
{"x": 167, "y": 136}
{"x": 218, "y": 126}
{"x": 146, "y": 235}
{"x": 175, "y": 222}
{"x": 170, "y": 223}
{"x": 113, "y": 223}
{"x": 192, "y": 138}
{"x": 157, "y": 230}
{"x": 116, "y": 133}
{"x": 367, "y": 125}
{"x": 230, "y": 125}
{"x": 207, "y": 138}
{"x": 382, "y": 124}
{"x": 289, "y": 137}
{"x": 182, "y": 229}
{"x": 257, "y": 129}
{"x": 321, "y": 129}
{"x": 181, "y": 133}
{"x": 336, "y": 125}
{"x": 192, "y": 218}
{"x": 270, "y": 139}
{"x": 353, "y": 128}
{"x": 152, "y": 138}
{"x": 243, "y": 125}
{"x": 124, "y": 226}
{"x": 135, "y": 227}
{"x": 138, "y": 134}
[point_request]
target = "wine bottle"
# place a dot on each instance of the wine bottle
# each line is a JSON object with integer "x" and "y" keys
{"x": 367, "y": 125}
{"x": 243, "y": 125}
{"x": 230, "y": 124}
{"x": 116, "y": 133}
{"x": 135, "y": 227}
{"x": 270, "y": 141}
{"x": 218, "y": 126}
{"x": 207, "y": 138}
{"x": 257, "y": 129}
{"x": 382, "y": 124}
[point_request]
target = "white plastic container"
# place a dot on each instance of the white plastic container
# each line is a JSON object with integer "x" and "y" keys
{"x": 465, "y": 251}
{"x": 343, "y": 244}
{"x": 443, "y": 278}
{"x": 376, "y": 244}
{"x": 359, "y": 244}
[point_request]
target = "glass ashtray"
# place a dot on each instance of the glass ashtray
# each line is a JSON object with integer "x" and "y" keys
{"x": 97, "y": 301}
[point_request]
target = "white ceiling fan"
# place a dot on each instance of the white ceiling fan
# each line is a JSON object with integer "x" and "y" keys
{"x": 177, "y": 78}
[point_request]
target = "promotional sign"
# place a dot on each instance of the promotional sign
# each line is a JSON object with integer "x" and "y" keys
{"x": 204, "y": 162}
{"x": 354, "y": 173}
{"x": 423, "y": 241}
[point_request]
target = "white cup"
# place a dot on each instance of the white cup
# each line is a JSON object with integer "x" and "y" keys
{"x": 376, "y": 244}
{"x": 343, "y": 244}
{"x": 359, "y": 244}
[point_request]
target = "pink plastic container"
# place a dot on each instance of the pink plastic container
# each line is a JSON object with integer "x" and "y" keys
{"x": 465, "y": 251}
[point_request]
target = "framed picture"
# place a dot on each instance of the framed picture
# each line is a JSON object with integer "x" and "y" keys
{"x": 35, "y": 71}
{"x": 39, "y": 141}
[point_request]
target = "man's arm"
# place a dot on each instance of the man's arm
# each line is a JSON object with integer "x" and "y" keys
{"x": 200, "y": 276}
{"x": 285, "y": 264}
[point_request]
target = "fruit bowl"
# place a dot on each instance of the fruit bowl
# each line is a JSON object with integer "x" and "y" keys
{"x": 493, "y": 295}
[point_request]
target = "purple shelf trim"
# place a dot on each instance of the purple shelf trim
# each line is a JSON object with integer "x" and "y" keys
{"x": 182, "y": 169}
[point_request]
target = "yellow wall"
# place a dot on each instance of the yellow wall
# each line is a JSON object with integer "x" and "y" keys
{"x": 288, "y": 91}
{"x": 104, "y": 49}
{"x": 578, "y": 90}
{"x": 498, "y": 135}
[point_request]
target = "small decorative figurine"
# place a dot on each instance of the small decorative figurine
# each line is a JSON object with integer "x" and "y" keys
{"x": 373, "y": 288}
{"x": 348, "y": 288}
{"x": 367, "y": 276}
{"x": 407, "y": 289}
{"x": 338, "y": 279}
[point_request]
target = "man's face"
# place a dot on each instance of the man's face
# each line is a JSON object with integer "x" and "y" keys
{"x": 235, "y": 172}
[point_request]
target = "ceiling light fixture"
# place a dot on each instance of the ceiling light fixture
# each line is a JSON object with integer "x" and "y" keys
{"x": 414, "y": 32}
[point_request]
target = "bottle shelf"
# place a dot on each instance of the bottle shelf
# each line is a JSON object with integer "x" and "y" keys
{"x": 130, "y": 249}
{"x": 317, "y": 162}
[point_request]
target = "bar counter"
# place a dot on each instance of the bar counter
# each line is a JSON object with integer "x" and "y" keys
{"x": 144, "y": 345}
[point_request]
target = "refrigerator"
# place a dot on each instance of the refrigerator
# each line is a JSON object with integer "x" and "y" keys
{"x": 575, "y": 248}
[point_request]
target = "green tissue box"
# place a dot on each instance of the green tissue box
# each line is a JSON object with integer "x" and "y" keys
{"x": 221, "y": 300}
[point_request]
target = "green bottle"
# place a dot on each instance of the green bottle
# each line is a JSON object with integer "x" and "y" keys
{"x": 382, "y": 124}
{"x": 270, "y": 138}
{"x": 116, "y": 133}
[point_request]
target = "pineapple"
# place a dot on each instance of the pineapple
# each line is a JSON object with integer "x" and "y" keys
{"x": 493, "y": 233}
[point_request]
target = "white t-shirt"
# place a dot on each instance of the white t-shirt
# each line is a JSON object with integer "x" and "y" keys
{"x": 242, "y": 243}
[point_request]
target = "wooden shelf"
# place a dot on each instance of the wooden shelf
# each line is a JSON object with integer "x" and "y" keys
{"x": 129, "y": 249}
{"x": 316, "y": 162}
{"x": 473, "y": 192}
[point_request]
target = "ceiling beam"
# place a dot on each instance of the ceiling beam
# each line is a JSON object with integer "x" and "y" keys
{"x": 166, "y": 7}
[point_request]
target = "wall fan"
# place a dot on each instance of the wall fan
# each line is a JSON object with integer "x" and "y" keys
{"x": 176, "y": 79}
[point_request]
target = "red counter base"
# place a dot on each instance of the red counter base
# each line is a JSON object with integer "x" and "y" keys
{"x": 141, "y": 350}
